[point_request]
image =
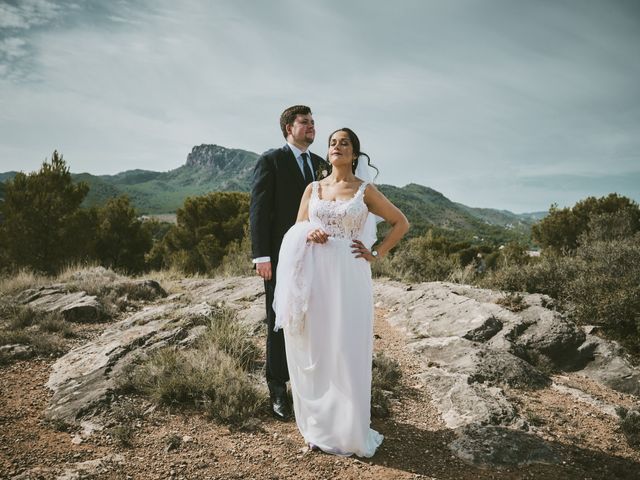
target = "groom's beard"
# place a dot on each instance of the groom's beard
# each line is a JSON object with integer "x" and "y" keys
{"x": 308, "y": 140}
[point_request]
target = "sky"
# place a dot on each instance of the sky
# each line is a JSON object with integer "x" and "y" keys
{"x": 506, "y": 104}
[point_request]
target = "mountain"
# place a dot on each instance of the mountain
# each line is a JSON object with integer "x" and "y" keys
{"x": 208, "y": 168}
{"x": 214, "y": 168}
{"x": 425, "y": 208}
{"x": 504, "y": 218}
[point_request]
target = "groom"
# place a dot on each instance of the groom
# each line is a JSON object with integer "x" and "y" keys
{"x": 279, "y": 180}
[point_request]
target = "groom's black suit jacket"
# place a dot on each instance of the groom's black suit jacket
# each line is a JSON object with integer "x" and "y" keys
{"x": 278, "y": 185}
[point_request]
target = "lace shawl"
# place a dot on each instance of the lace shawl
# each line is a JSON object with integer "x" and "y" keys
{"x": 295, "y": 269}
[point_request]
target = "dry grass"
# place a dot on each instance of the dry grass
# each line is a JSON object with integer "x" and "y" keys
{"x": 231, "y": 337}
{"x": 237, "y": 261}
{"x": 171, "y": 279}
{"x": 214, "y": 375}
{"x": 55, "y": 323}
{"x": 22, "y": 280}
{"x": 385, "y": 379}
{"x": 42, "y": 332}
{"x": 513, "y": 302}
{"x": 94, "y": 279}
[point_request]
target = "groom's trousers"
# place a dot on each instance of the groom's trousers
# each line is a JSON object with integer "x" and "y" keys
{"x": 277, "y": 372}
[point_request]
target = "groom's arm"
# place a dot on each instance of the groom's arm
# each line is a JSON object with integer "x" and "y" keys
{"x": 261, "y": 208}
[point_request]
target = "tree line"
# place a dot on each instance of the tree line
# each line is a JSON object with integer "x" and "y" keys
{"x": 44, "y": 228}
{"x": 589, "y": 262}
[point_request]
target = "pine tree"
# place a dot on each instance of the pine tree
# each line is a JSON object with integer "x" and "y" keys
{"x": 41, "y": 218}
{"x": 121, "y": 238}
{"x": 207, "y": 227}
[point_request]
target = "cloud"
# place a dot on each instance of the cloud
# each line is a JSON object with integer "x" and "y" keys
{"x": 12, "y": 47}
{"x": 469, "y": 98}
{"x": 27, "y": 13}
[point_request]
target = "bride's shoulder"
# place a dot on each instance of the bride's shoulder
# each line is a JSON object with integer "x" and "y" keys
{"x": 359, "y": 183}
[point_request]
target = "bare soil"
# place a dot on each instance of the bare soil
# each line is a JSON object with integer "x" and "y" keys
{"x": 180, "y": 444}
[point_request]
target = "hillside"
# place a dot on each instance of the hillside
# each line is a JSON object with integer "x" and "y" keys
{"x": 214, "y": 168}
{"x": 208, "y": 168}
{"x": 425, "y": 207}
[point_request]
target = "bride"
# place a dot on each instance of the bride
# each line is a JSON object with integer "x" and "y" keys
{"x": 324, "y": 301}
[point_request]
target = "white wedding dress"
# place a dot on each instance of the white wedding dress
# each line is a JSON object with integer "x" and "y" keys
{"x": 326, "y": 302}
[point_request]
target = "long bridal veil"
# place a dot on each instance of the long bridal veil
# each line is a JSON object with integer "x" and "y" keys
{"x": 369, "y": 230}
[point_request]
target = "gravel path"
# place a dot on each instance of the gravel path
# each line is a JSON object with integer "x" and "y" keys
{"x": 187, "y": 445}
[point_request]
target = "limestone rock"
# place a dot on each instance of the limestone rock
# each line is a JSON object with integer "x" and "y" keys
{"x": 74, "y": 306}
{"x": 501, "y": 446}
{"x": 91, "y": 468}
{"x": 550, "y": 335}
{"x": 461, "y": 403}
{"x": 502, "y": 368}
{"x": 15, "y": 352}
{"x": 141, "y": 289}
{"x": 484, "y": 332}
{"x": 610, "y": 366}
{"x": 471, "y": 349}
{"x": 86, "y": 376}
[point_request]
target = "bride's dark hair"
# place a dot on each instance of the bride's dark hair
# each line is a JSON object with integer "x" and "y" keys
{"x": 355, "y": 143}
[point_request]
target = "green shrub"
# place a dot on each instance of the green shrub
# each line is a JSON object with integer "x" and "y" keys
{"x": 599, "y": 284}
{"x": 561, "y": 229}
{"x": 606, "y": 289}
{"x": 384, "y": 266}
{"x": 548, "y": 274}
{"x": 418, "y": 263}
{"x": 121, "y": 239}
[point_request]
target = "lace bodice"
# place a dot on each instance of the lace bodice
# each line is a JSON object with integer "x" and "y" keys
{"x": 339, "y": 218}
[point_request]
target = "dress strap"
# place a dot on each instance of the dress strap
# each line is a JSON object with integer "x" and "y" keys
{"x": 362, "y": 188}
{"x": 314, "y": 190}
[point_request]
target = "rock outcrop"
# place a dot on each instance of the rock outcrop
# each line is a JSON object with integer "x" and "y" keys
{"x": 470, "y": 348}
{"x": 74, "y": 306}
{"x": 87, "y": 376}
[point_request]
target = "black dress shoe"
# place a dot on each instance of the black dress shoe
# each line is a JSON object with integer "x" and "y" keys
{"x": 280, "y": 407}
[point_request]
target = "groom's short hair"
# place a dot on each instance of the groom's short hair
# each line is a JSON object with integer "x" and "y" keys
{"x": 289, "y": 116}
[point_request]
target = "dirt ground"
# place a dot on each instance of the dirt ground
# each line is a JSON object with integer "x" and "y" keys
{"x": 169, "y": 444}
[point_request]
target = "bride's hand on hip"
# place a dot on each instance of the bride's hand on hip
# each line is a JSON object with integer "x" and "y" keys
{"x": 317, "y": 236}
{"x": 361, "y": 251}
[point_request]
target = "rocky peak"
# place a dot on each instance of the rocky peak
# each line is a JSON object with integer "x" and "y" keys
{"x": 213, "y": 156}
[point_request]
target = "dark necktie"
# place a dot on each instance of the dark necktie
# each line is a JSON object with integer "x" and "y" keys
{"x": 308, "y": 176}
